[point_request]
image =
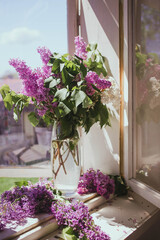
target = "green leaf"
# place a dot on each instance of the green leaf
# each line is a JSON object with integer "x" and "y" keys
{"x": 8, "y": 101}
{"x": 21, "y": 183}
{"x": 50, "y": 64}
{"x": 56, "y": 55}
{"x": 141, "y": 58}
{"x": 79, "y": 97}
{"x": 104, "y": 72}
{"x": 62, "y": 66}
{"x": 21, "y": 105}
{"x": 95, "y": 88}
{"x": 69, "y": 104}
{"x": 15, "y": 97}
{"x": 89, "y": 122}
{"x": 4, "y": 90}
{"x": 83, "y": 70}
{"x": 74, "y": 90}
{"x": 15, "y": 115}
{"x": 66, "y": 127}
{"x": 63, "y": 107}
{"x": 81, "y": 59}
{"x": 80, "y": 83}
{"x": 68, "y": 234}
{"x": 62, "y": 94}
{"x": 65, "y": 55}
{"x": 56, "y": 65}
{"x": 54, "y": 83}
{"x": 104, "y": 115}
{"x": 92, "y": 46}
{"x": 46, "y": 119}
{"x": 33, "y": 119}
{"x": 121, "y": 187}
{"x": 87, "y": 102}
{"x": 54, "y": 100}
{"x": 72, "y": 69}
{"x": 88, "y": 48}
{"x": 62, "y": 110}
{"x": 65, "y": 76}
{"x": 48, "y": 79}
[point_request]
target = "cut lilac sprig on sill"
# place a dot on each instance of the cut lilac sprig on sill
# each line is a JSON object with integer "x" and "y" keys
{"x": 95, "y": 181}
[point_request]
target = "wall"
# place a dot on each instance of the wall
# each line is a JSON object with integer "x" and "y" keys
{"x": 99, "y": 22}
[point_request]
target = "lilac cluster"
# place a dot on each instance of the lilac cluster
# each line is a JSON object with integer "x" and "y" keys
{"x": 33, "y": 80}
{"x": 96, "y": 181}
{"x": 76, "y": 215}
{"x": 27, "y": 75}
{"x": 45, "y": 54}
{"x": 92, "y": 78}
{"x": 13, "y": 212}
{"x": 19, "y": 203}
{"x": 80, "y": 48}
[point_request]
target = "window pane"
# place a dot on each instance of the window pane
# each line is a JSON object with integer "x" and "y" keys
{"x": 147, "y": 92}
{"x": 27, "y": 25}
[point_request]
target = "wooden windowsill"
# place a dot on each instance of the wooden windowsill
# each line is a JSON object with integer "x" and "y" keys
{"x": 120, "y": 217}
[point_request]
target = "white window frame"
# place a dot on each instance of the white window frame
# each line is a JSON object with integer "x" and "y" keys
{"x": 129, "y": 146}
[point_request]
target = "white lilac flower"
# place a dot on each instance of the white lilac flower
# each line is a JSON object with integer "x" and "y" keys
{"x": 111, "y": 96}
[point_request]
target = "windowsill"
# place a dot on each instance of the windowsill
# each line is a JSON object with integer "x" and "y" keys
{"x": 121, "y": 218}
{"x": 27, "y": 171}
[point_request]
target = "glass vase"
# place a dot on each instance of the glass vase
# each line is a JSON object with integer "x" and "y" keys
{"x": 66, "y": 163}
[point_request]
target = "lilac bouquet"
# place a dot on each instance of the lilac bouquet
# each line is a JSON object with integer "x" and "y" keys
{"x": 67, "y": 89}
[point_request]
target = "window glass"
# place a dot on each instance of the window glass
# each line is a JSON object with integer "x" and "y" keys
{"x": 147, "y": 92}
{"x": 26, "y": 25}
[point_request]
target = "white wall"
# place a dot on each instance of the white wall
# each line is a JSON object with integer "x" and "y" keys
{"x": 99, "y": 23}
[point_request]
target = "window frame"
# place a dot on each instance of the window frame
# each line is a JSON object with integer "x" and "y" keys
{"x": 140, "y": 188}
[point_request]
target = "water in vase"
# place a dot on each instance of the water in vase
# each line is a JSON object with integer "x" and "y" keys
{"x": 65, "y": 166}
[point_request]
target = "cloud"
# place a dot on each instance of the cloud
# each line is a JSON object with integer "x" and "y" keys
{"x": 20, "y": 35}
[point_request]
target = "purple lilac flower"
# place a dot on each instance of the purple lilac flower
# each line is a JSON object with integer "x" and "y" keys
{"x": 41, "y": 112}
{"x": 42, "y": 92}
{"x": 33, "y": 80}
{"x": 93, "y": 78}
{"x": 80, "y": 47}
{"x": 96, "y": 181}
{"x": 45, "y": 54}
{"x": 102, "y": 84}
{"x": 28, "y": 77}
{"x": 19, "y": 203}
{"x": 76, "y": 215}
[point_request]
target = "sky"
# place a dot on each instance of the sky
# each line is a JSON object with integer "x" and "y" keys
{"x": 27, "y": 24}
